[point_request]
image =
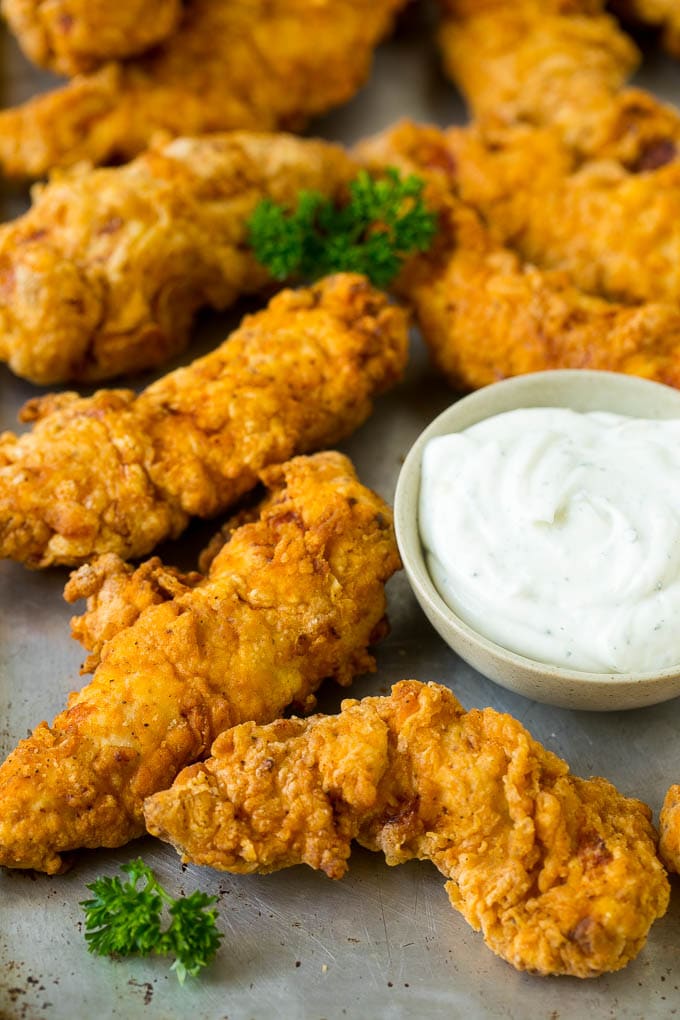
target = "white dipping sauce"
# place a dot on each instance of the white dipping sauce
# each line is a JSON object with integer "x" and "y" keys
{"x": 557, "y": 535}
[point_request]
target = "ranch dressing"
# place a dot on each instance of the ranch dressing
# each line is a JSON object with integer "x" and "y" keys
{"x": 557, "y": 535}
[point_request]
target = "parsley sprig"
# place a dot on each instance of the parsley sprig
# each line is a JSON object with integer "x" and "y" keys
{"x": 384, "y": 220}
{"x": 122, "y": 920}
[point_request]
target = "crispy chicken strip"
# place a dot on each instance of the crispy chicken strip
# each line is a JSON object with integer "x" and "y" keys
{"x": 663, "y": 14}
{"x": 69, "y": 36}
{"x": 560, "y": 63}
{"x": 260, "y": 64}
{"x": 117, "y": 594}
{"x": 559, "y": 873}
{"x": 485, "y": 315}
{"x": 117, "y": 472}
{"x": 617, "y": 233}
{"x": 104, "y": 274}
{"x": 294, "y": 597}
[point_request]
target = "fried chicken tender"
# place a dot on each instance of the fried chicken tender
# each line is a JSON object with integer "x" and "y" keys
{"x": 610, "y": 221}
{"x": 294, "y": 597}
{"x": 258, "y": 64}
{"x": 117, "y": 594}
{"x": 104, "y": 274}
{"x": 617, "y": 233}
{"x": 559, "y": 63}
{"x": 485, "y": 315}
{"x": 69, "y": 36}
{"x": 559, "y": 873}
{"x": 117, "y": 472}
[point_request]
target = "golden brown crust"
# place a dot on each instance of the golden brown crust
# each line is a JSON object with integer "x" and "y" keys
{"x": 611, "y": 220}
{"x": 542, "y": 63}
{"x": 294, "y": 597}
{"x": 669, "y": 826}
{"x": 559, "y": 873}
{"x": 615, "y": 231}
{"x": 256, "y": 64}
{"x": 117, "y": 595}
{"x": 104, "y": 274}
{"x": 69, "y": 36}
{"x": 560, "y": 64}
{"x": 119, "y": 473}
{"x": 486, "y": 315}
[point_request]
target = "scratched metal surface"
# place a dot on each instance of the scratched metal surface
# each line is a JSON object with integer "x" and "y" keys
{"x": 383, "y": 943}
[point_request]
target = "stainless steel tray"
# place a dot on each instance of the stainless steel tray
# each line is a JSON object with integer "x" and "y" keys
{"x": 383, "y": 943}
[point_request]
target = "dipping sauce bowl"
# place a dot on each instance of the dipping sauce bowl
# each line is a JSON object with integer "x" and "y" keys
{"x": 555, "y": 685}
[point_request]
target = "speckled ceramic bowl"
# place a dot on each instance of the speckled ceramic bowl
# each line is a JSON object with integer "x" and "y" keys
{"x": 580, "y": 391}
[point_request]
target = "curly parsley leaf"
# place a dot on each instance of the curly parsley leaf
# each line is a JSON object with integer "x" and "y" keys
{"x": 384, "y": 220}
{"x": 123, "y": 919}
{"x": 192, "y": 936}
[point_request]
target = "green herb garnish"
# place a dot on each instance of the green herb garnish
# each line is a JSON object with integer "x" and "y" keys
{"x": 123, "y": 920}
{"x": 384, "y": 220}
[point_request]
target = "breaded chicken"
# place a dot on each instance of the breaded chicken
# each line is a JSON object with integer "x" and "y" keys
{"x": 617, "y": 233}
{"x": 559, "y": 873}
{"x": 257, "y": 64}
{"x": 117, "y": 594}
{"x": 69, "y": 36}
{"x": 669, "y": 825}
{"x": 663, "y": 14}
{"x": 539, "y": 61}
{"x": 117, "y": 472}
{"x": 559, "y": 63}
{"x": 294, "y": 597}
{"x": 104, "y": 274}
{"x": 485, "y": 315}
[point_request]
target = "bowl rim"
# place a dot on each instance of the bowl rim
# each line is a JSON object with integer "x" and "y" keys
{"x": 407, "y": 522}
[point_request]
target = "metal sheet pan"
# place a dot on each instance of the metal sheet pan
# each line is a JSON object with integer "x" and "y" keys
{"x": 383, "y": 943}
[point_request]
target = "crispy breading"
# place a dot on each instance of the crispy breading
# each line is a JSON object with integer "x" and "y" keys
{"x": 104, "y": 274}
{"x": 117, "y": 594}
{"x": 560, "y": 63}
{"x": 258, "y": 64}
{"x": 294, "y": 597}
{"x": 616, "y": 232}
{"x": 69, "y": 36}
{"x": 559, "y": 873}
{"x": 486, "y": 315}
{"x": 542, "y": 62}
{"x": 663, "y": 14}
{"x": 117, "y": 472}
{"x": 669, "y": 826}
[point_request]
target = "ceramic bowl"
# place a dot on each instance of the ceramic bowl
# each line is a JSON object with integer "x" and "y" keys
{"x": 580, "y": 391}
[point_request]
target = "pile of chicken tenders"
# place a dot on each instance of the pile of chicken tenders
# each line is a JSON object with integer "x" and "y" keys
{"x": 152, "y": 158}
